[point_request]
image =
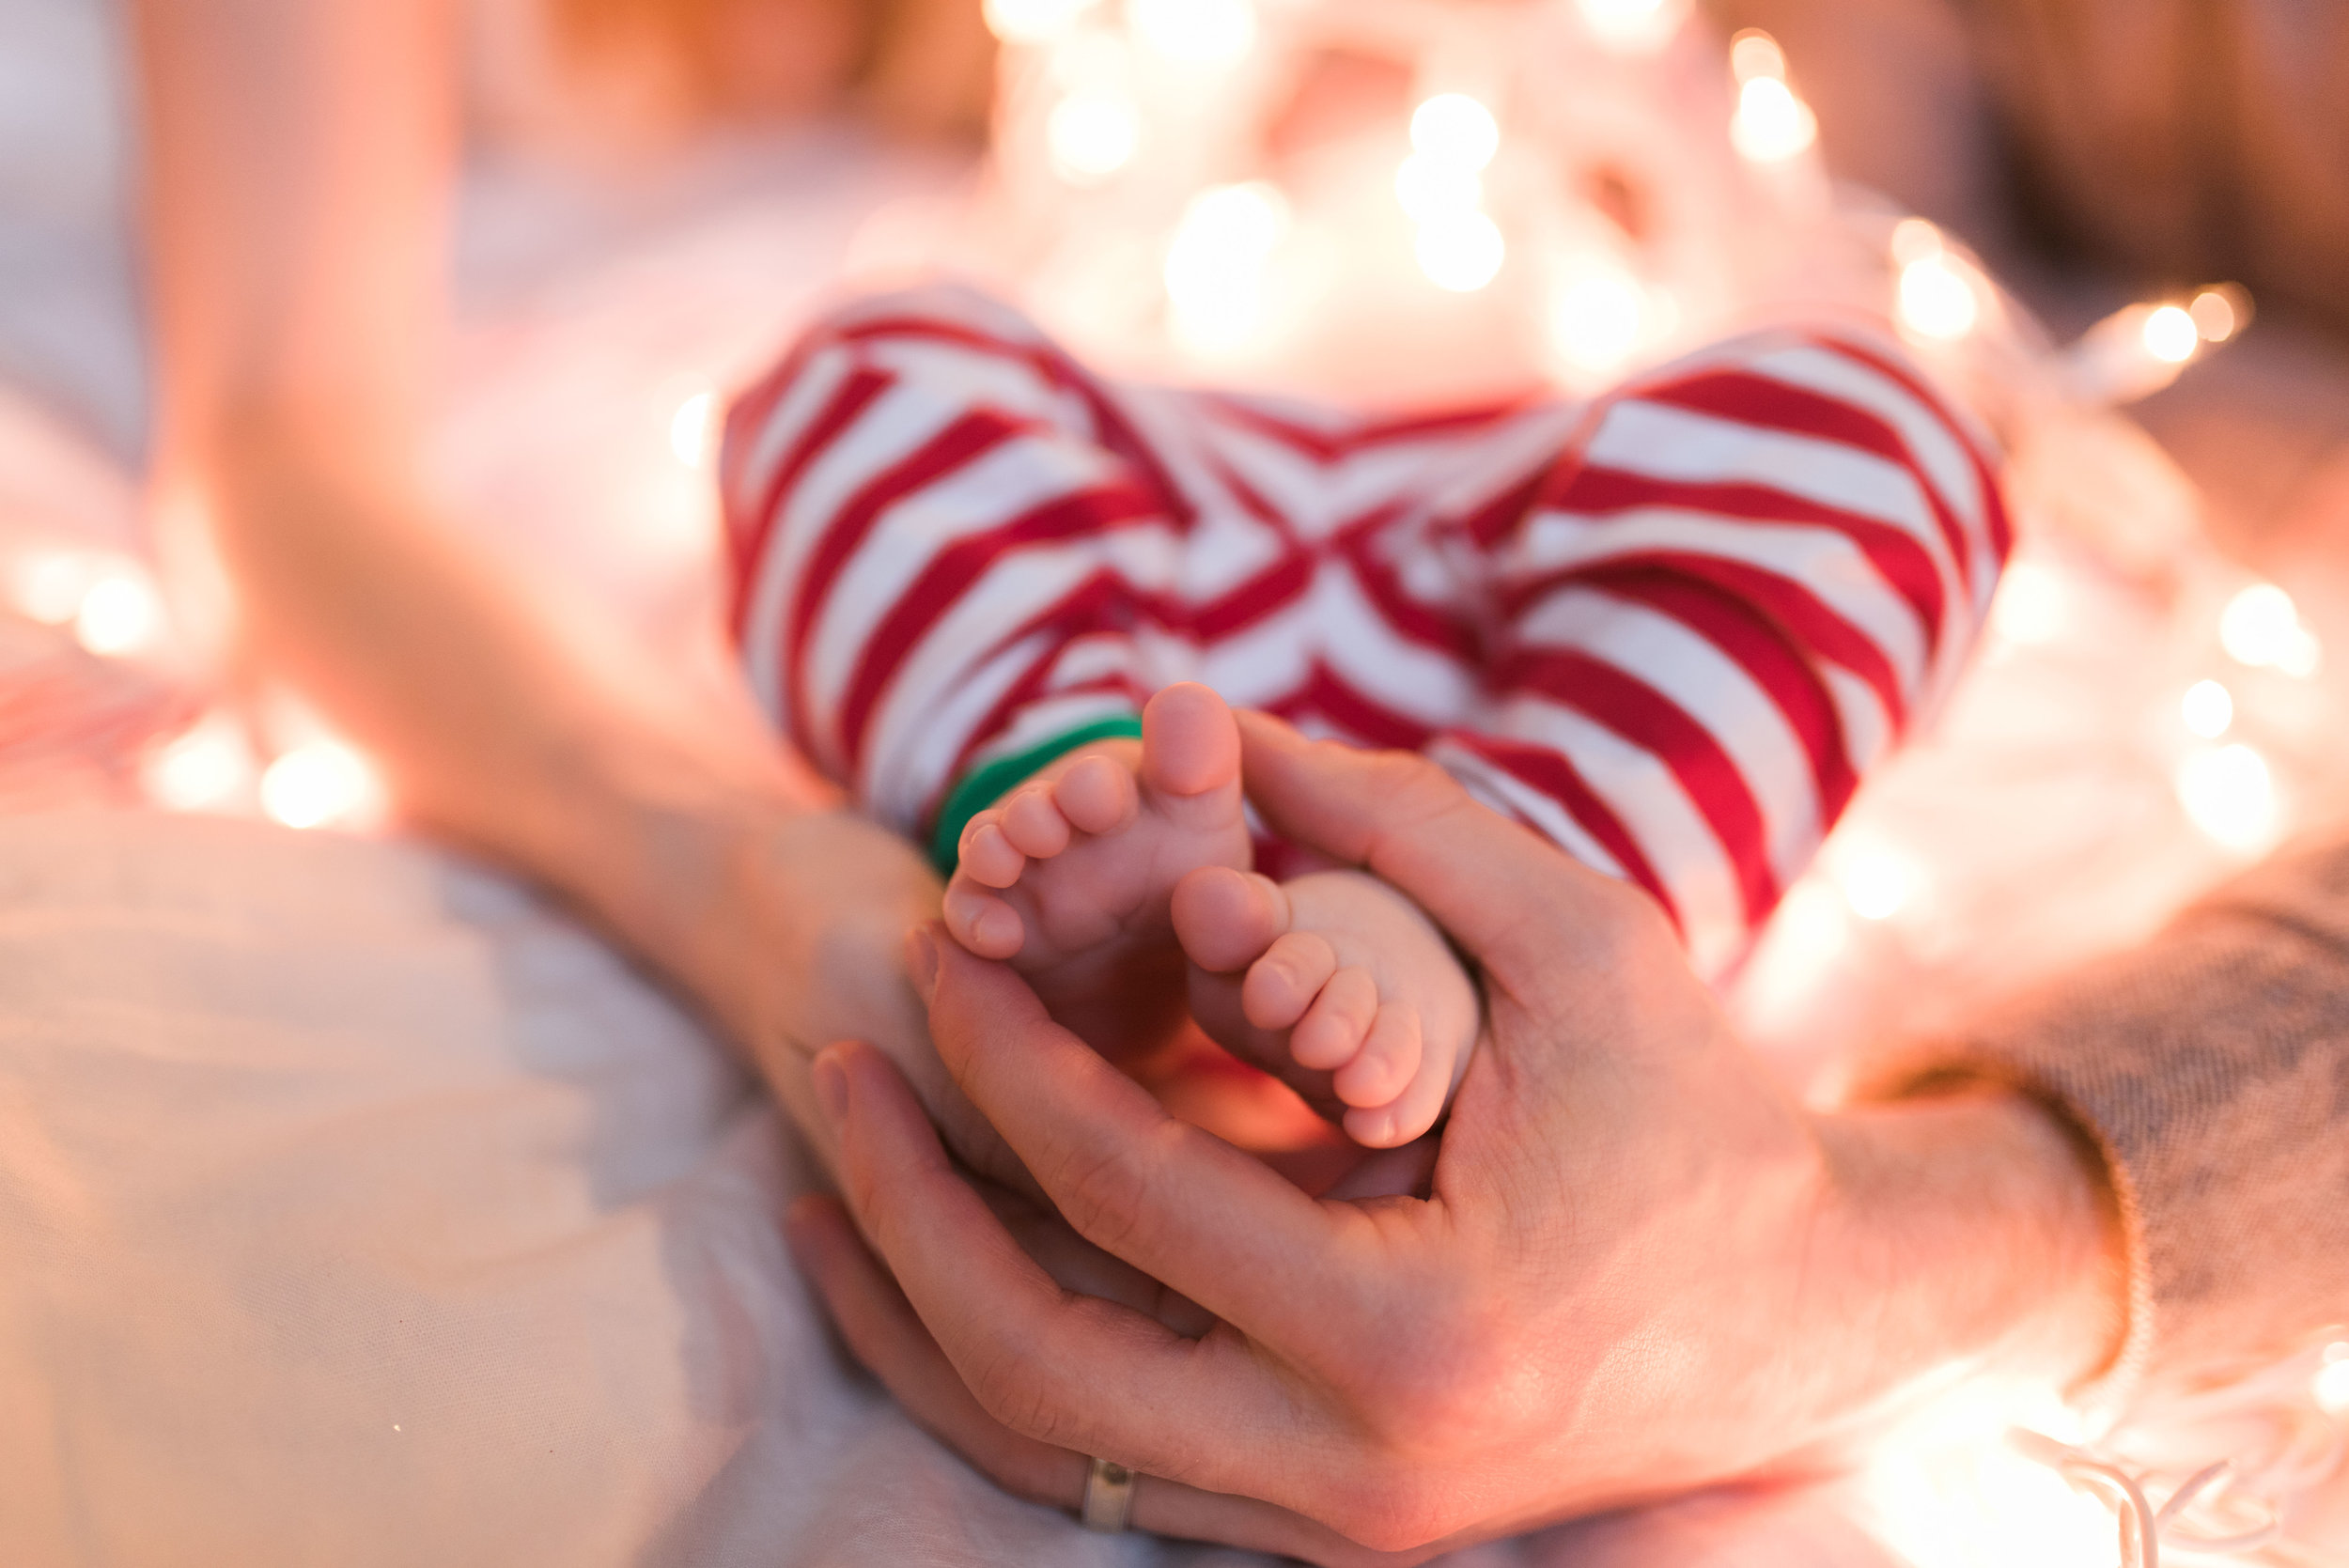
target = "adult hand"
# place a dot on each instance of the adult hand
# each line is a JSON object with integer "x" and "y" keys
{"x": 1639, "y": 1266}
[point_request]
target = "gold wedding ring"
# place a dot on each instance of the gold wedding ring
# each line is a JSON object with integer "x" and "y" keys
{"x": 1109, "y": 1497}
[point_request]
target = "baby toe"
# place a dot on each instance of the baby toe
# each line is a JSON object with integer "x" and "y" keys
{"x": 1408, "y": 1115}
{"x": 1383, "y": 1068}
{"x": 987, "y": 857}
{"x": 1032, "y": 824}
{"x": 1097, "y": 795}
{"x": 981, "y": 922}
{"x": 1334, "y": 1028}
{"x": 1284, "y": 982}
{"x": 1226, "y": 918}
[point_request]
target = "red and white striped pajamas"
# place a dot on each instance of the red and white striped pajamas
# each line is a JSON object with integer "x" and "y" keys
{"x": 1667, "y": 629}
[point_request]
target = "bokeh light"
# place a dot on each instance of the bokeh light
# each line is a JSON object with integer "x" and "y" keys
{"x": 2230, "y": 795}
{"x": 1456, "y": 130}
{"x": 2208, "y": 709}
{"x": 1771, "y": 124}
{"x": 1937, "y": 300}
{"x": 1596, "y": 318}
{"x": 1031, "y": 21}
{"x": 1091, "y": 134}
{"x": 320, "y": 783}
{"x": 1431, "y": 190}
{"x": 1634, "y": 26}
{"x": 1207, "y": 32}
{"x": 1462, "y": 254}
{"x": 206, "y": 768}
{"x": 118, "y": 616}
{"x": 1215, "y": 264}
{"x": 692, "y": 426}
{"x": 2170, "y": 336}
{"x": 2261, "y": 626}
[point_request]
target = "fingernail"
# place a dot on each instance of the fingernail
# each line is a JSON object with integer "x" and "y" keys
{"x": 831, "y": 1085}
{"x": 921, "y": 959}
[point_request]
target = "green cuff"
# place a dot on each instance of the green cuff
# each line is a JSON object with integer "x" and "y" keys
{"x": 984, "y": 785}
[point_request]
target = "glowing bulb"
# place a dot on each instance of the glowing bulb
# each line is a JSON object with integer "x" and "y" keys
{"x": 2208, "y": 709}
{"x": 1771, "y": 124}
{"x": 1214, "y": 263}
{"x": 2170, "y": 336}
{"x": 2261, "y": 626}
{"x": 2230, "y": 795}
{"x": 1456, "y": 130}
{"x": 317, "y": 783}
{"x": 1937, "y": 301}
{"x": 2030, "y": 606}
{"x": 1595, "y": 319}
{"x": 2332, "y": 1385}
{"x": 208, "y": 766}
{"x": 1876, "y": 886}
{"x": 1091, "y": 134}
{"x": 1431, "y": 191}
{"x": 1634, "y": 26}
{"x": 1754, "y": 55}
{"x": 1210, "y": 31}
{"x": 1462, "y": 254}
{"x": 1032, "y": 21}
{"x": 690, "y": 427}
{"x": 2214, "y": 316}
{"x": 1915, "y": 239}
{"x": 119, "y": 615}
{"x": 48, "y": 586}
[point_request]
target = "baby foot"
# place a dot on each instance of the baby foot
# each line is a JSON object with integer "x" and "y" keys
{"x": 1336, "y": 982}
{"x": 1068, "y": 876}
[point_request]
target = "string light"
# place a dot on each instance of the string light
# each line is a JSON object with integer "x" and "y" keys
{"x": 2170, "y": 336}
{"x": 1876, "y": 884}
{"x": 1432, "y": 190}
{"x": 1462, "y": 254}
{"x": 206, "y": 768}
{"x": 1206, "y": 32}
{"x": 1031, "y": 21}
{"x": 1091, "y": 134}
{"x": 2230, "y": 795}
{"x": 690, "y": 427}
{"x": 1936, "y": 296}
{"x": 1771, "y": 124}
{"x": 2218, "y": 313}
{"x": 320, "y": 783}
{"x": 2208, "y": 709}
{"x": 47, "y": 585}
{"x": 1596, "y": 319}
{"x": 120, "y": 615}
{"x": 1755, "y": 55}
{"x": 1456, "y": 130}
{"x": 2331, "y": 1386}
{"x": 2261, "y": 626}
{"x": 1216, "y": 262}
{"x": 1634, "y": 26}
{"x": 2031, "y": 606}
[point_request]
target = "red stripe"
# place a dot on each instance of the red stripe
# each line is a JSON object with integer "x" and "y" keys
{"x": 970, "y": 436}
{"x": 1553, "y": 775}
{"x": 1652, "y": 722}
{"x": 857, "y": 393}
{"x": 1028, "y": 688}
{"x": 1356, "y": 436}
{"x": 1759, "y": 402}
{"x": 1258, "y": 599}
{"x": 1359, "y": 718}
{"x": 1761, "y": 651}
{"x": 1995, "y": 517}
{"x": 1895, "y": 553}
{"x": 1415, "y": 620}
{"x": 1090, "y": 515}
{"x": 1489, "y": 524}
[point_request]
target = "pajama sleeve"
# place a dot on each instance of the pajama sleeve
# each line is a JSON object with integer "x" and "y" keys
{"x": 1745, "y": 576}
{"x": 937, "y": 522}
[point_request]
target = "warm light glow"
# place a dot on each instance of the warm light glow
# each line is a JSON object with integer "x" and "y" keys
{"x": 1431, "y": 191}
{"x": 1462, "y": 254}
{"x": 1877, "y": 885}
{"x": 1214, "y": 263}
{"x": 1091, "y": 134}
{"x": 208, "y": 766}
{"x": 120, "y": 615}
{"x": 2214, "y": 316}
{"x": 1980, "y": 1505}
{"x": 1595, "y": 319}
{"x": 1032, "y": 21}
{"x": 47, "y": 587}
{"x": 320, "y": 784}
{"x": 2030, "y": 607}
{"x": 2230, "y": 795}
{"x": 2261, "y": 627}
{"x": 2332, "y": 1382}
{"x": 690, "y": 427}
{"x": 1914, "y": 240}
{"x": 1456, "y": 130}
{"x": 1755, "y": 55}
{"x": 2170, "y": 336}
{"x": 1634, "y": 26}
{"x": 1937, "y": 300}
{"x": 2207, "y": 708}
{"x": 1210, "y": 31}
{"x": 1771, "y": 124}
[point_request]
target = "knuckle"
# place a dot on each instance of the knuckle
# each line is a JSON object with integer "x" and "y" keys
{"x": 1105, "y": 1191}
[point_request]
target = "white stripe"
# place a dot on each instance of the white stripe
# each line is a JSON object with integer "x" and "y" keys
{"x": 1640, "y": 790}
{"x": 983, "y": 378}
{"x": 1267, "y": 661}
{"x": 1041, "y": 721}
{"x": 1021, "y": 474}
{"x": 893, "y": 427}
{"x": 1362, "y": 647}
{"x": 1821, "y": 561}
{"x": 1663, "y": 443}
{"x": 1867, "y": 727}
{"x": 814, "y": 387}
{"x": 913, "y": 743}
{"x": 1511, "y": 796}
{"x": 1716, "y": 691}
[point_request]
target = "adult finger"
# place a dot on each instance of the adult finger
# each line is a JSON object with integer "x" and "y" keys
{"x": 1510, "y": 899}
{"x": 1054, "y": 1365}
{"x": 1180, "y": 1204}
{"x": 883, "y": 1332}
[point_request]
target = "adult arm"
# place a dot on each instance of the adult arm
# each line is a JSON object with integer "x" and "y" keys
{"x": 300, "y": 166}
{"x": 1639, "y": 1268}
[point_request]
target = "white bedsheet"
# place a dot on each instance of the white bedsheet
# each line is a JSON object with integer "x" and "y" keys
{"x": 357, "y": 1207}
